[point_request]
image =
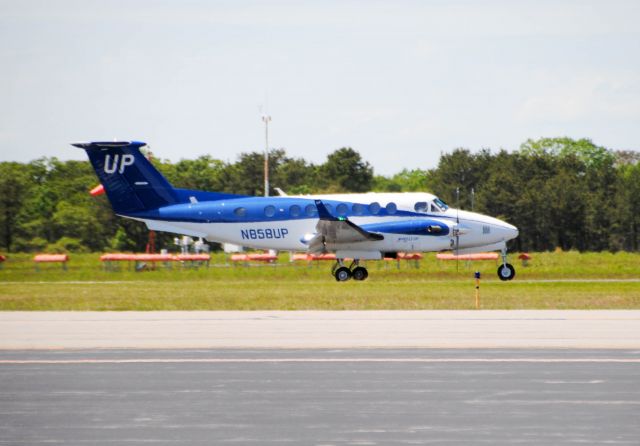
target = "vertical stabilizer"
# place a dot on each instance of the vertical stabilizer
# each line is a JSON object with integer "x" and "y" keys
{"x": 130, "y": 180}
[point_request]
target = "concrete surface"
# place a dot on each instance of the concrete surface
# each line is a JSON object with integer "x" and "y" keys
{"x": 321, "y": 329}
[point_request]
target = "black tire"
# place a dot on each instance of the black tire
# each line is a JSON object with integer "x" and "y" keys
{"x": 506, "y": 272}
{"x": 342, "y": 274}
{"x": 360, "y": 273}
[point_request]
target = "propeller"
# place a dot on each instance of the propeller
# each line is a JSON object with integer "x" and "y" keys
{"x": 457, "y": 230}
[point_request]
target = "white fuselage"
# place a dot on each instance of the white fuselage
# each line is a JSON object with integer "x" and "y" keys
{"x": 280, "y": 233}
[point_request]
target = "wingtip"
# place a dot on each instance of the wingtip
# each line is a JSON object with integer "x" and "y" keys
{"x": 323, "y": 212}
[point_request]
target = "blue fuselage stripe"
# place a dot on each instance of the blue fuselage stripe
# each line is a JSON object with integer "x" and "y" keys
{"x": 264, "y": 210}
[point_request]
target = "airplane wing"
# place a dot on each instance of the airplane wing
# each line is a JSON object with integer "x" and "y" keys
{"x": 336, "y": 230}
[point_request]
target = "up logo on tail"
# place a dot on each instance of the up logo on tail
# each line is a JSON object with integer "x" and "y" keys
{"x": 119, "y": 163}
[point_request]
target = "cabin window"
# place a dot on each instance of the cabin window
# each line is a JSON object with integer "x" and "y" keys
{"x": 391, "y": 208}
{"x": 357, "y": 209}
{"x": 342, "y": 209}
{"x": 295, "y": 210}
{"x": 374, "y": 208}
{"x": 240, "y": 212}
{"x": 311, "y": 210}
{"x": 269, "y": 211}
{"x": 421, "y": 206}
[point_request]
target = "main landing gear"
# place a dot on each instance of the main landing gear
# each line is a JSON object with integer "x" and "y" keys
{"x": 355, "y": 271}
{"x": 506, "y": 271}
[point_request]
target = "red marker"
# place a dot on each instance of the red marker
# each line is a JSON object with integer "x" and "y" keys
{"x": 98, "y": 190}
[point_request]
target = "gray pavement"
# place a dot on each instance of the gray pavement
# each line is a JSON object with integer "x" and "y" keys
{"x": 321, "y": 329}
{"x": 320, "y": 397}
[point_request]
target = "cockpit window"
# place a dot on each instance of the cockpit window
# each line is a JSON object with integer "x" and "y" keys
{"x": 421, "y": 206}
{"x": 440, "y": 204}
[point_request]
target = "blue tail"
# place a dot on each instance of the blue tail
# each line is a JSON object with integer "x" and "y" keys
{"x": 130, "y": 180}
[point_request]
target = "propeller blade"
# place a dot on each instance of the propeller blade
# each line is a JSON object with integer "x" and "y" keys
{"x": 457, "y": 228}
{"x": 457, "y": 205}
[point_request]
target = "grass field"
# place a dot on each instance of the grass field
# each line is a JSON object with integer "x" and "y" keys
{"x": 564, "y": 280}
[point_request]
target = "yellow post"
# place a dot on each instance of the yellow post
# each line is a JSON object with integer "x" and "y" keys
{"x": 477, "y": 274}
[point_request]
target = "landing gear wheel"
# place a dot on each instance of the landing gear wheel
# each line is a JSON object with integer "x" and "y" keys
{"x": 506, "y": 272}
{"x": 342, "y": 274}
{"x": 360, "y": 273}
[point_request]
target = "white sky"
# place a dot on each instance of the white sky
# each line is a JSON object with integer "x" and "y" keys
{"x": 399, "y": 81}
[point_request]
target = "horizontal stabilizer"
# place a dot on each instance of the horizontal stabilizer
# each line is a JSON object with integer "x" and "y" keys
{"x": 156, "y": 225}
{"x": 107, "y": 144}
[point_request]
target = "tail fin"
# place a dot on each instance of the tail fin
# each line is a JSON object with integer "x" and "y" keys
{"x": 130, "y": 180}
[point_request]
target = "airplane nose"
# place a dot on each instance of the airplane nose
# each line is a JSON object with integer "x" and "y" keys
{"x": 511, "y": 231}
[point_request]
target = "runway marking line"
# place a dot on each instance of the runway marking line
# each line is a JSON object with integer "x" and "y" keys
{"x": 317, "y": 360}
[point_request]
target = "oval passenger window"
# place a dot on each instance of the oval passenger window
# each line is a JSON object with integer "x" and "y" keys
{"x": 391, "y": 208}
{"x": 269, "y": 211}
{"x": 311, "y": 210}
{"x": 357, "y": 209}
{"x": 295, "y": 210}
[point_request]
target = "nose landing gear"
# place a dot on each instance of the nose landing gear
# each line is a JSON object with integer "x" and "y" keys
{"x": 355, "y": 271}
{"x": 506, "y": 271}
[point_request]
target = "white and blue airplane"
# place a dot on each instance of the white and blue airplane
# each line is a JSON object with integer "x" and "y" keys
{"x": 364, "y": 226}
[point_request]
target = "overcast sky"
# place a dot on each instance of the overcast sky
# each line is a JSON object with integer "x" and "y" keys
{"x": 399, "y": 81}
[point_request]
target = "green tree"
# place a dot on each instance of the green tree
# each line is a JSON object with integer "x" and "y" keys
{"x": 559, "y": 192}
{"x": 593, "y": 168}
{"x": 415, "y": 180}
{"x": 345, "y": 171}
{"x": 386, "y": 184}
{"x": 204, "y": 173}
{"x": 78, "y": 221}
{"x": 628, "y": 206}
{"x": 461, "y": 170}
{"x": 15, "y": 186}
{"x": 583, "y": 149}
{"x": 498, "y": 195}
{"x": 295, "y": 176}
{"x": 246, "y": 176}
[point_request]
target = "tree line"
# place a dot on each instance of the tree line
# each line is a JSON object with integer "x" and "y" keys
{"x": 560, "y": 193}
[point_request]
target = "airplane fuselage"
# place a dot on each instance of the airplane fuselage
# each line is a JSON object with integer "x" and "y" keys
{"x": 282, "y": 222}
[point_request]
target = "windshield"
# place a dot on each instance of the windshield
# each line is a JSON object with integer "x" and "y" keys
{"x": 441, "y": 204}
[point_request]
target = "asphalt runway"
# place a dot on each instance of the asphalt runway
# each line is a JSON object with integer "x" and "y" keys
{"x": 320, "y": 396}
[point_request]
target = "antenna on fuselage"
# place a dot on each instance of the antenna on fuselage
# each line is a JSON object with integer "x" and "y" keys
{"x": 473, "y": 199}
